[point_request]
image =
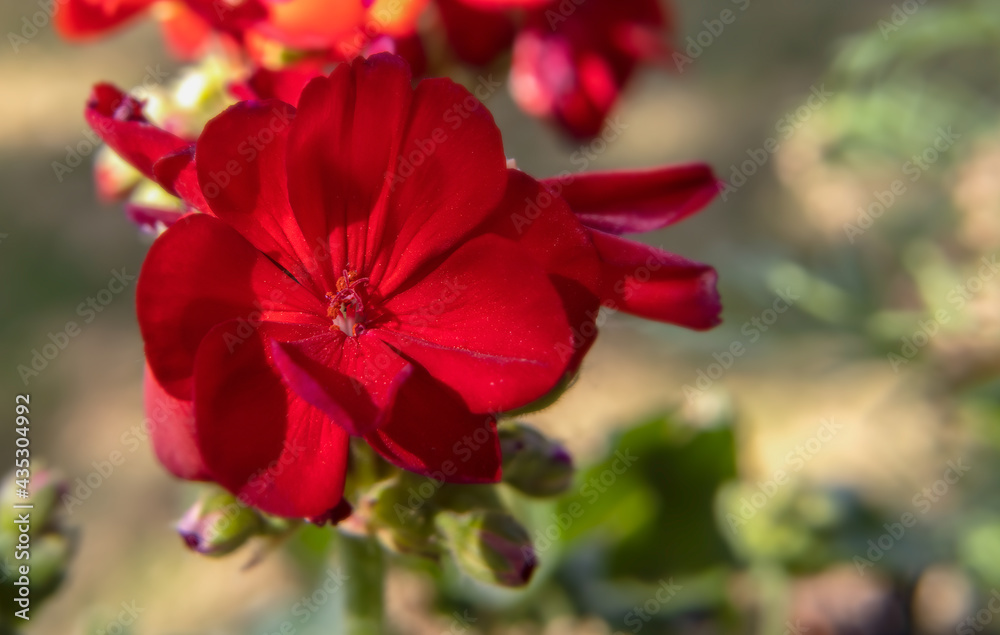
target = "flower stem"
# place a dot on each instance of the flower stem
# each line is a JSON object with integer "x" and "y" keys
{"x": 361, "y": 559}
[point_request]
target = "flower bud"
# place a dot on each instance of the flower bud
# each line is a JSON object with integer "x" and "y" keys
{"x": 50, "y": 554}
{"x": 533, "y": 463}
{"x": 44, "y": 490}
{"x": 402, "y": 519}
{"x": 218, "y": 524}
{"x": 35, "y": 525}
{"x": 489, "y": 546}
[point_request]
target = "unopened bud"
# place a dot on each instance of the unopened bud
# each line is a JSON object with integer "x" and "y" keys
{"x": 533, "y": 463}
{"x": 218, "y": 524}
{"x": 32, "y": 524}
{"x": 489, "y": 546}
{"x": 41, "y": 491}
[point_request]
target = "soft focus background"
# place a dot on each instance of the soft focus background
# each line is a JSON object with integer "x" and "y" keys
{"x": 824, "y": 462}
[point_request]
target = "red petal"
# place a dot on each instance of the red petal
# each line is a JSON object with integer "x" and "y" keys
{"x": 171, "y": 428}
{"x": 260, "y": 440}
{"x": 542, "y": 224}
{"x": 486, "y": 323}
{"x": 240, "y": 160}
{"x": 388, "y": 211}
{"x": 430, "y": 432}
{"x": 198, "y": 274}
{"x": 286, "y": 84}
{"x": 177, "y": 174}
{"x": 507, "y": 4}
{"x": 411, "y": 48}
{"x": 80, "y": 19}
{"x": 117, "y": 118}
{"x": 231, "y": 18}
{"x": 654, "y": 284}
{"x": 345, "y": 136}
{"x": 477, "y": 35}
{"x": 353, "y": 380}
{"x": 449, "y": 175}
{"x": 636, "y": 202}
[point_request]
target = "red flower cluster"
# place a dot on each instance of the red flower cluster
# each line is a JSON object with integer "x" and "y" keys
{"x": 571, "y": 60}
{"x": 368, "y": 266}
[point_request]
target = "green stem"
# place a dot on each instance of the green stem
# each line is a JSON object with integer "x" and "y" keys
{"x": 361, "y": 559}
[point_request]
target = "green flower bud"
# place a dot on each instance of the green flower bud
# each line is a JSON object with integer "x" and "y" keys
{"x": 34, "y": 528}
{"x": 49, "y": 555}
{"x": 533, "y": 463}
{"x": 401, "y": 517}
{"x": 489, "y": 546}
{"x": 44, "y": 490}
{"x": 218, "y": 524}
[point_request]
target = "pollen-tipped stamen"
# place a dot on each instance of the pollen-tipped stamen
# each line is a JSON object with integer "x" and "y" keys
{"x": 347, "y": 308}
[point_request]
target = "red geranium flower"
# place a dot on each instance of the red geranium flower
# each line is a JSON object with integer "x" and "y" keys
{"x": 341, "y": 29}
{"x": 367, "y": 265}
{"x": 572, "y": 64}
{"x": 335, "y": 292}
{"x": 186, "y": 23}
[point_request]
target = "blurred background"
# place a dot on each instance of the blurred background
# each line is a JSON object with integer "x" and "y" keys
{"x": 825, "y": 461}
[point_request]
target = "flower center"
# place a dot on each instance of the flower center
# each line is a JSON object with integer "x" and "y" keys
{"x": 347, "y": 305}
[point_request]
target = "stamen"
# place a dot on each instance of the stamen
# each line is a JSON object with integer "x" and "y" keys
{"x": 347, "y": 308}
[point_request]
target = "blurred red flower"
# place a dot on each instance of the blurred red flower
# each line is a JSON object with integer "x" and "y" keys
{"x": 344, "y": 29}
{"x": 367, "y": 265}
{"x": 186, "y": 23}
{"x": 571, "y": 61}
